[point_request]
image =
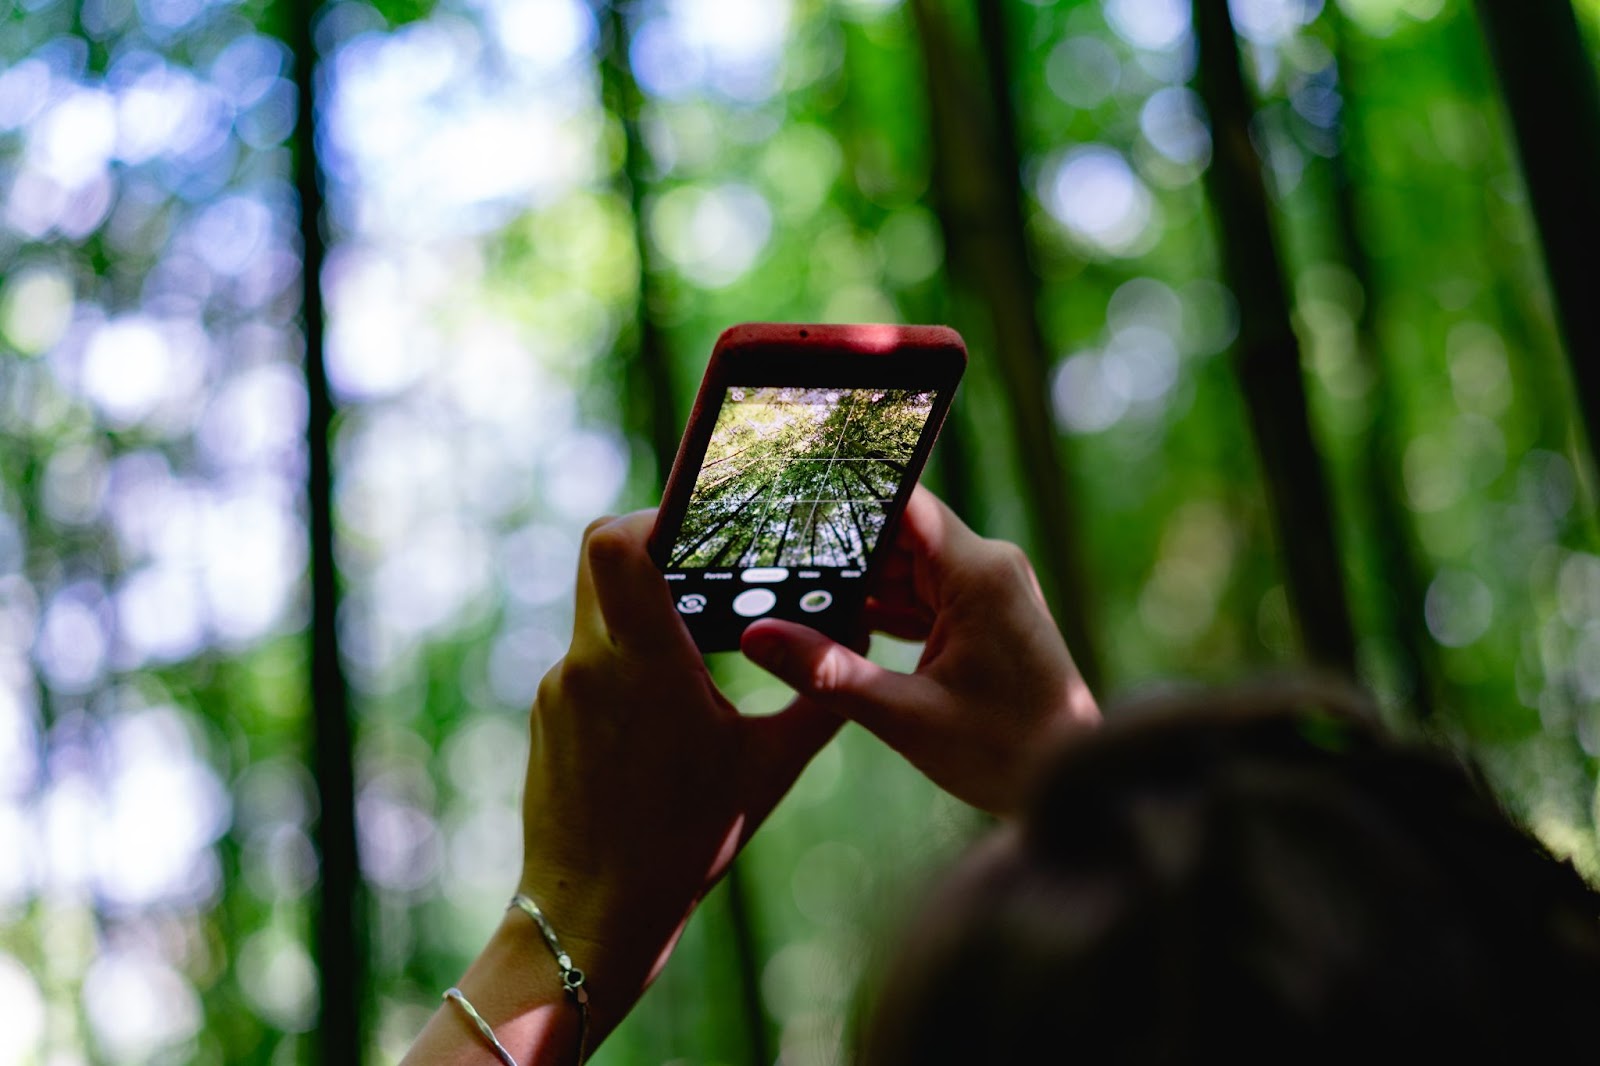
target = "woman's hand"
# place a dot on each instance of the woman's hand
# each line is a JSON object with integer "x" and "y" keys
{"x": 995, "y": 686}
{"x": 643, "y": 783}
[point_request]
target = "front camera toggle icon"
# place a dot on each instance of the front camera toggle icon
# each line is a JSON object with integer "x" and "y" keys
{"x": 692, "y": 603}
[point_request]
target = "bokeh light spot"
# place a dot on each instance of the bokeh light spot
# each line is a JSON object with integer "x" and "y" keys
{"x": 1157, "y": 25}
{"x": 714, "y": 234}
{"x": 1459, "y": 608}
{"x": 1083, "y": 71}
{"x": 583, "y": 474}
{"x": 138, "y": 1005}
{"x": 20, "y": 1036}
{"x": 35, "y": 308}
{"x": 164, "y": 807}
{"x": 72, "y": 641}
{"x": 733, "y": 49}
{"x": 1173, "y": 121}
{"x": 1094, "y": 193}
{"x": 75, "y": 139}
{"x": 278, "y": 978}
{"x": 913, "y": 248}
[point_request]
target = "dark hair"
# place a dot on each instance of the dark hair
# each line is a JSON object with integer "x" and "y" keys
{"x": 1258, "y": 872}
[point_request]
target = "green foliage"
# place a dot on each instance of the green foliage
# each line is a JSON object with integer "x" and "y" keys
{"x": 483, "y": 284}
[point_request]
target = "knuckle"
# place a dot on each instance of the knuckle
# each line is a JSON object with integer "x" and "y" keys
{"x": 596, "y": 533}
{"x": 1005, "y": 564}
{"x": 604, "y": 546}
{"x": 549, "y": 690}
{"x": 572, "y": 681}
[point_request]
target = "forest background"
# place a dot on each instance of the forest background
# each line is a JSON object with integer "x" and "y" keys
{"x": 324, "y": 329}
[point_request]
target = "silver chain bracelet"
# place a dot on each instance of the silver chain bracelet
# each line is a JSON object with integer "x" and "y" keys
{"x": 572, "y": 979}
{"x": 572, "y": 982}
{"x": 455, "y": 996}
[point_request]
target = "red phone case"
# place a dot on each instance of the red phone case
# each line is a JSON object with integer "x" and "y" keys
{"x": 830, "y": 356}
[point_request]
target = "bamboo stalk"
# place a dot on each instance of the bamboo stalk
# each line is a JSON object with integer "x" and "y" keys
{"x": 1267, "y": 354}
{"x": 648, "y": 386}
{"x": 1393, "y": 534}
{"x": 650, "y": 396}
{"x": 1539, "y": 370}
{"x": 977, "y": 178}
{"x": 1553, "y": 99}
{"x": 949, "y": 466}
{"x": 339, "y": 923}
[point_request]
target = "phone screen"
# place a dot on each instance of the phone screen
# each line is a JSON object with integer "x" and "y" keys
{"x": 793, "y": 496}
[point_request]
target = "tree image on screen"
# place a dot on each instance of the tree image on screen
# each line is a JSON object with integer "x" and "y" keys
{"x": 800, "y": 477}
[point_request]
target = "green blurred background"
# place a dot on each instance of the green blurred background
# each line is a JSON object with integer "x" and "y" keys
{"x": 535, "y": 218}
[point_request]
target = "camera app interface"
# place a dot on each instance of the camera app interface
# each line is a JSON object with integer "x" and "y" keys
{"x": 791, "y": 499}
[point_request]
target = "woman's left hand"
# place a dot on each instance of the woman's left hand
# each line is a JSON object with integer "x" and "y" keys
{"x": 643, "y": 780}
{"x": 643, "y": 783}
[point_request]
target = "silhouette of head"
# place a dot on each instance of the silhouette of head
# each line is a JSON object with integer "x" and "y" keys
{"x": 1257, "y": 873}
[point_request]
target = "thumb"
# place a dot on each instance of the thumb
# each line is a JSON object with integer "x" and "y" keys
{"x": 832, "y": 676}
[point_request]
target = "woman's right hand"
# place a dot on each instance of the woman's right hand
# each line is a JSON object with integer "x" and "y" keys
{"x": 995, "y": 687}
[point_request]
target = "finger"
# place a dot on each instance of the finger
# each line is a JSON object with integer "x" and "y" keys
{"x": 928, "y": 524}
{"x": 937, "y": 542}
{"x": 897, "y": 620}
{"x": 588, "y": 627}
{"x": 836, "y": 678}
{"x": 899, "y": 595}
{"x": 622, "y": 597}
{"x": 895, "y": 568}
{"x": 932, "y": 544}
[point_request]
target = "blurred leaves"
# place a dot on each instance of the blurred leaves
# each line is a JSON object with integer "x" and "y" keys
{"x": 490, "y": 238}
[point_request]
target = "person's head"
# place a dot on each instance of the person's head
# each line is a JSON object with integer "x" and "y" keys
{"x": 1260, "y": 872}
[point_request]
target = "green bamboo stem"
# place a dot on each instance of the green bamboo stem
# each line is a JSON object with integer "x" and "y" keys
{"x": 977, "y": 178}
{"x": 1393, "y": 535}
{"x": 339, "y": 923}
{"x": 650, "y": 400}
{"x": 648, "y": 382}
{"x": 1553, "y": 99}
{"x": 1267, "y": 354}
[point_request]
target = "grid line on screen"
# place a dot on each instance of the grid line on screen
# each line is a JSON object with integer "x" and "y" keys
{"x": 800, "y": 477}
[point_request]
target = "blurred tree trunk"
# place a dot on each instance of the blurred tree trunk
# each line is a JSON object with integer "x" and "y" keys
{"x": 1383, "y": 493}
{"x": 950, "y": 466}
{"x": 340, "y": 928}
{"x": 1539, "y": 369}
{"x": 977, "y": 186}
{"x": 646, "y": 380}
{"x": 1267, "y": 354}
{"x": 1550, "y": 89}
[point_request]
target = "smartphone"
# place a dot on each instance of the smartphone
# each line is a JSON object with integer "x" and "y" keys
{"x": 801, "y": 451}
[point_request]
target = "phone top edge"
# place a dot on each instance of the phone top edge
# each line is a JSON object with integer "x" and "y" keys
{"x": 852, "y": 338}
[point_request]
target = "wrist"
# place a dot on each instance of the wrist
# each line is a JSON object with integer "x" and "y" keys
{"x": 515, "y": 988}
{"x": 515, "y": 984}
{"x": 619, "y": 940}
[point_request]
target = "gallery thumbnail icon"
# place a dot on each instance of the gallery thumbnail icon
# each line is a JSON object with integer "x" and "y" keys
{"x": 816, "y": 600}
